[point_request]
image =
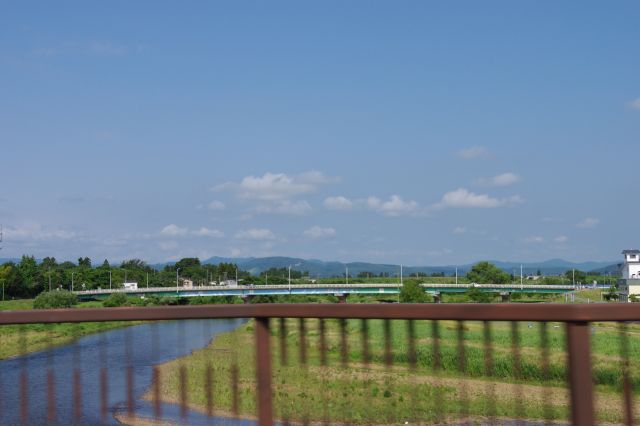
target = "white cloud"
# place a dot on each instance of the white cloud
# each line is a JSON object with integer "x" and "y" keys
{"x": 37, "y": 232}
{"x": 216, "y": 205}
{"x": 534, "y": 239}
{"x": 174, "y": 231}
{"x": 561, "y": 239}
{"x": 635, "y": 104}
{"x": 473, "y": 152}
{"x": 395, "y": 206}
{"x": 590, "y": 222}
{"x": 338, "y": 203}
{"x": 210, "y": 233}
{"x": 504, "y": 179}
{"x": 276, "y": 186}
{"x": 296, "y": 208}
{"x": 459, "y": 230}
{"x": 463, "y": 198}
{"x": 318, "y": 232}
{"x": 255, "y": 234}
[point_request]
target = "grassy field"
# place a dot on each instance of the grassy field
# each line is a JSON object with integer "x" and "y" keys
{"x": 361, "y": 392}
{"x": 22, "y": 339}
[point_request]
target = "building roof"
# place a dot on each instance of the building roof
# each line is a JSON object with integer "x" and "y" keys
{"x": 633, "y": 251}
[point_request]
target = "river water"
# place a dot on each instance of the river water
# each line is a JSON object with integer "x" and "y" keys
{"x": 139, "y": 347}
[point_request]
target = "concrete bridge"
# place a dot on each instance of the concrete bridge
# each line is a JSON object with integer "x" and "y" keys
{"x": 340, "y": 290}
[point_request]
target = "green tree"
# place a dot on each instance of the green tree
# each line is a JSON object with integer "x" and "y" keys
{"x": 411, "y": 292}
{"x": 579, "y": 275}
{"x": 487, "y": 273}
{"x": 31, "y": 276}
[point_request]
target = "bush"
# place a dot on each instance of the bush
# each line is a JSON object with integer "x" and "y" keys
{"x": 411, "y": 292}
{"x": 115, "y": 300}
{"x": 476, "y": 295}
{"x": 55, "y": 299}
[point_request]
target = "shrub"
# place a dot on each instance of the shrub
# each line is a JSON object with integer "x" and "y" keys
{"x": 411, "y": 292}
{"x": 115, "y": 300}
{"x": 476, "y": 295}
{"x": 55, "y": 299}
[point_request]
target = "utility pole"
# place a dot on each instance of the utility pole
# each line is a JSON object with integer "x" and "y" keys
{"x": 177, "y": 277}
{"x": 109, "y": 279}
{"x": 456, "y": 275}
{"x": 346, "y": 275}
{"x": 49, "y": 278}
{"x": 521, "y": 283}
{"x": 147, "y": 280}
{"x": 289, "y": 278}
{"x": 574, "y": 276}
{"x": 72, "y": 273}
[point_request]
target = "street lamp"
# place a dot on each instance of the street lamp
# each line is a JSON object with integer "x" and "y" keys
{"x": 109, "y": 279}
{"x": 289, "y": 278}
{"x": 177, "y": 277}
{"x": 72, "y": 272}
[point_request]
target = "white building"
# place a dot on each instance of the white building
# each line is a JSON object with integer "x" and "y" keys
{"x": 130, "y": 286}
{"x": 629, "y": 284}
{"x": 631, "y": 266}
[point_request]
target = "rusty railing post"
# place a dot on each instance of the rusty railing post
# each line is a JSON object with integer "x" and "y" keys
{"x": 263, "y": 371}
{"x": 580, "y": 378}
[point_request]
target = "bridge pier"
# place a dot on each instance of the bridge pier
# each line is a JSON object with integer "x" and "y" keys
{"x": 342, "y": 298}
{"x": 505, "y": 296}
{"x": 437, "y": 297}
{"x": 246, "y": 299}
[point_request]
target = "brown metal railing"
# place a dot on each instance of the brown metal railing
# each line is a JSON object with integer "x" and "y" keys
{"x": 577, "y": 319}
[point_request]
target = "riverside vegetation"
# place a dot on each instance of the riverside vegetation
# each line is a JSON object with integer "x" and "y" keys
{"x": 357, "y": 391}
{"x": 22, "y": 339}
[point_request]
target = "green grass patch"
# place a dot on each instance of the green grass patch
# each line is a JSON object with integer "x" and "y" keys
{"x": 18, "y": 340}
{"x": 361, "y": 392}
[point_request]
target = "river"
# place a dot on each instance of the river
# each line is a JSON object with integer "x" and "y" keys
{"x": 139, "y": 347}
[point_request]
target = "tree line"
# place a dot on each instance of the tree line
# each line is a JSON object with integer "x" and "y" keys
{"x": 28, "y": 277}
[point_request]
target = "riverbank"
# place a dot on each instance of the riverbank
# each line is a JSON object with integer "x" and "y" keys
{"x": 358, "y": 392}
{"x": 16, "y": 340}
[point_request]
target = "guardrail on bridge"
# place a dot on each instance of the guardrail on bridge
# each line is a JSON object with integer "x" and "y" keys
{"x": 346, "y": 334}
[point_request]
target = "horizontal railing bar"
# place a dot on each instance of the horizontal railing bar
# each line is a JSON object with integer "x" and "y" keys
{"x": 454, "y": 311}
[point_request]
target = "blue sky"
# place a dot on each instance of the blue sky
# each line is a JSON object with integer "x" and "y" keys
{"x": 408, "y": 132}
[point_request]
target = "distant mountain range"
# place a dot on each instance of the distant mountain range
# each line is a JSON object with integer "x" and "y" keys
{"x": 320, "y": 268}
{"x": 315, "y": 267}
